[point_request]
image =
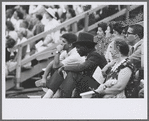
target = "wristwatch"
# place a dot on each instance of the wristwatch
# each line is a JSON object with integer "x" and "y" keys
{"x": 57, "y": 52}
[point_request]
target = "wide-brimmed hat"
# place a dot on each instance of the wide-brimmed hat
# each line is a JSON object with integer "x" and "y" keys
{"x": 84, "y": 38}
{"x": 51, "y": 12}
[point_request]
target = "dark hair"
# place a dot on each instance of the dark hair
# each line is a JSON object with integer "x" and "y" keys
{"x": 118, "y": 27}
{"x": 138, "y": 29}
{"x": 62, "y": 29}
{"x": 10, "y": 42}
{"x": 111, "y": 27}
{"x": 70, "y": 37}
{"x": 72, "y": 12}
{"x": 9, "y": 25}
{"x": 39, "y": 17}
{"x": 122, "y": 46}
{"x": 9, "y": 12}
{"x": 103, "y": 26}
{"x": 19, "y": 14}
{"x": 26, "y": 8}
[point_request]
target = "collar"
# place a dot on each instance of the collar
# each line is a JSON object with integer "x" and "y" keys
{"x": 138, "y": 44}
{"x": 91, "y": 52}
{"x": 72, "y": 51}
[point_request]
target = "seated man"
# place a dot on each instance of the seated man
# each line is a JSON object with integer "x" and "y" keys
{"x": 69, "y": 56}
{"x": 79, "y": 76}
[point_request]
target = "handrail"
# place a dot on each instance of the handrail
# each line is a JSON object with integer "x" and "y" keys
{"x": 66, "y": 23}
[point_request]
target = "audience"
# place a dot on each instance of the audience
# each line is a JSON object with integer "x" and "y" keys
{"x": 78, "y": 76}
{"x": 68, "y": 57}
{"x": 26, "y": 21}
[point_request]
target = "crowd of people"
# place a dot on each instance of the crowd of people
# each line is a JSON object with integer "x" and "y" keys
{"x": 122, "y": 69}
{"x": 116, "y": 50}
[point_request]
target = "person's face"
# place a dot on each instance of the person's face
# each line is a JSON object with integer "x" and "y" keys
{"x": 83, "y": 51}
{"x": 115, "y": 52}
{"x": 64, "y": 43}
{"x": 15, "y": 15}
{"x": 130, "y": 36}
{"x": 108, "y": 34}
{"x": 100, "y": 33}
{"x": 68, "y": 15}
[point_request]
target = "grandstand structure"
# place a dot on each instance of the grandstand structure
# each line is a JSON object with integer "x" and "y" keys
{"x": 45, "y": 56}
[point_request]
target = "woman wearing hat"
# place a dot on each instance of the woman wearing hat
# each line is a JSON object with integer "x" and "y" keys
{"x": 79, "y": 76}
{"x": 50, "y": 22}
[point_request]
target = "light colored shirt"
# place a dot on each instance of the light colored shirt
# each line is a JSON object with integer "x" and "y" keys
{"x": 54, "y": 35}
{"x": 73, "y": 58}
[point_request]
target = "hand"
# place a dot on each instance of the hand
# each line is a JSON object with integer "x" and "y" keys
{"x": 100, "y": 89}
{"x": 60, "y": 48}
{"x": 60, "y": 69}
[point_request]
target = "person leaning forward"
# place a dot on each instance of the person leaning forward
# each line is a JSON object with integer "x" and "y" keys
{"x": 78, "y": 76}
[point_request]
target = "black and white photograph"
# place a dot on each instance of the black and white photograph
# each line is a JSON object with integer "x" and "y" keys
{"x": 74, "y": 60}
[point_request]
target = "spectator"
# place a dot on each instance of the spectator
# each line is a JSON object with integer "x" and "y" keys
{"x": 100, "y": 38}
{"x": 39, "y": 27}
{"x": 69, "y": 56}
{"x": 120, "y": 74}
{"x": 24, "y": 24}
{"x": 10, "y": 31}
{"x": 17, "y": 19}
{"x": 70, "y": 13}
{"x": 117, "y": 30}
{"x": 134, "y": 38}
{"x": 9, "y": 13}
{"x": 50, "y": 22}
{"x": 79, "y": 76}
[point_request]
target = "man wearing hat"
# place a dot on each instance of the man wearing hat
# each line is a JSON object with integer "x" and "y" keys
{"x": 66, "y": 54}
{"x": 79, "y": 76}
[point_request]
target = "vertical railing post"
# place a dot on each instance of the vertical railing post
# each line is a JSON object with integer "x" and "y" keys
{"x": 18, "y": 69}
{"x": 86, "y": 21}
{"x": 127, "y": 14}
{"x": 75, "y": 27}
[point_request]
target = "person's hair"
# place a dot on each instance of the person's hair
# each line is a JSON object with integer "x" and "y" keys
{"x": 9, "y": 25}
{"x": 9, "y": 12}
{"x": 10, "y": 42}
{"x": 62, "y": 29}
{"x": 125, "y": 30}
{"x": 138, "y": 29}
{"x": 26, "y": 8}
{"x": 39, "y": 17}
{"x": 122, "y": 46}
{"x": 103, "y": 26}
{"x": 19, "y": 14}
{"x": 26, "y": 23}
{"x": 72, "y": 12}
{"x": 111, "y": 27}
{"x": 117, "y": 26}
{"x": 70, "y": 37}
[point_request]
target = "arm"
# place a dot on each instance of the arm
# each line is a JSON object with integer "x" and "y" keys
{"x": 87, "y": 65}
{"x": 136, "y": 55}
{"x": 57, "y": 63}
{"x": 48, "y": 69}
{"x": 123, "y": 78}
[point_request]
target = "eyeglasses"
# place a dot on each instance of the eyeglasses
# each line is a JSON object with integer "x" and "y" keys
{"x": 128, "y": 33}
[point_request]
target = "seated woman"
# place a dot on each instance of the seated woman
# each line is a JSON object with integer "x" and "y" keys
{"x": 120, "y": 73}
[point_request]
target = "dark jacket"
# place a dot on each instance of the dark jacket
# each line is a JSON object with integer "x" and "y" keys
{"x": 93, "y": 60}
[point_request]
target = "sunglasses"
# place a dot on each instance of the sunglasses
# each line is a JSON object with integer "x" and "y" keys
{"x": 128, "y": 33}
